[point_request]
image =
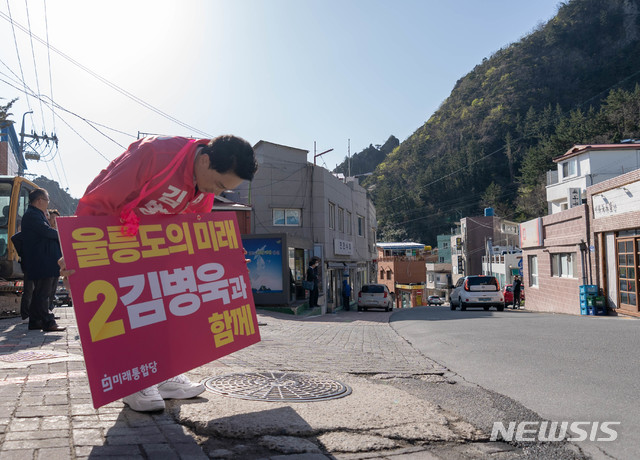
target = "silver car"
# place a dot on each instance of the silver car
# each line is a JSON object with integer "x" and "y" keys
{"x": 374, "y": 296}
{"x": 477, "y": 291}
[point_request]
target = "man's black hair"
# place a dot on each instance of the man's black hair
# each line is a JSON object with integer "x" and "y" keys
{"x": 231, "y": 153}
{"x": 36, "y": 194}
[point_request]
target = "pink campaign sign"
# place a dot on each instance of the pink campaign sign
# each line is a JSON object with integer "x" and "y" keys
{"x": 154, "y": 305}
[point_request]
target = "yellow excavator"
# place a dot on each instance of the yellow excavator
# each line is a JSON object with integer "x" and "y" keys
{"x": 14, "y": 200}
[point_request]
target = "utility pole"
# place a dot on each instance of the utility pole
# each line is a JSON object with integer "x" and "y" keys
{"x": 349, "y": 156}
{"x": 20, "y": 169}
{"x": 44, "y": 137}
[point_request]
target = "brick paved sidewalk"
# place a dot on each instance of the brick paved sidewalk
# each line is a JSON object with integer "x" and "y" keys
{"x": 347, "y": 342}
{"x": 46, "y": 404}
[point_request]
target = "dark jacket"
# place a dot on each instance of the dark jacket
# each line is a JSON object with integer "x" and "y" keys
{"x": 517, "y": 286}
{"x": 312, "y": 275}
{"x": 40, "y": 245}
{"x": 346, "y": 289}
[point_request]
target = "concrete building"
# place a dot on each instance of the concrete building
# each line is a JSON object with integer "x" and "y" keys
{"x": 438, "y": 279}
{"x": 301, "y": 210}
{"x": 477, "y": 236}
{"x": 583, "y": 166}
{"x": 444, "y": 249}
{"x": 590, "y": 241}
{"x": 12, "y": 161}
{"x": 401, "y": 267}
{"x": 614, "y": 236}
{"x": 503, "y": 265}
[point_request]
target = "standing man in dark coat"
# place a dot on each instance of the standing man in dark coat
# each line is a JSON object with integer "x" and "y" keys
{"x": 41, "y": 252}
{"x": 517, "y": 289}
{"x": 346, "y": 294}
{"x": 312, "y": 275}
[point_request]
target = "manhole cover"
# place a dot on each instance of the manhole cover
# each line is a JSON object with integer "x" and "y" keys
{"x": 277, "y": 386}
{"x": 30, "y": 356}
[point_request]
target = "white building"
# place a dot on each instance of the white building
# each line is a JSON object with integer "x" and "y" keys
{"x": 585, "y": 165}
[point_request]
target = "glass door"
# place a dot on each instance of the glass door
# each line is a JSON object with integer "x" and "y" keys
{"x": 628, "y": 251}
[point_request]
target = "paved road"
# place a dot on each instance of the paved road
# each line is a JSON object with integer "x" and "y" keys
{"x": 403, "y": 406}
{"x": 565, "y": 368}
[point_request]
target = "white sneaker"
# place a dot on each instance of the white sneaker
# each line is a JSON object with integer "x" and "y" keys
{"x": 179, "y": 387}
{"x": 147, "y": 400}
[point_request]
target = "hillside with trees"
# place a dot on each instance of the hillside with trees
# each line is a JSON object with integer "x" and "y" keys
{"x": 367, "y": 160}
{"x": 571, "y": 81}
{"x": 60, "y": 199}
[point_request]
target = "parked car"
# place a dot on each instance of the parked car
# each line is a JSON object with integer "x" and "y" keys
{"x": 434, "y": 300}
{"x": 507, "y": 292}
{"x": 62, "y": 295}
{"x": 374, "y": 296}
{"x": 477, "y": 291}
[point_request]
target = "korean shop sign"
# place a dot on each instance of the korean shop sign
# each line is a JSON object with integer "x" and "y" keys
{"x": 154, "y": 305}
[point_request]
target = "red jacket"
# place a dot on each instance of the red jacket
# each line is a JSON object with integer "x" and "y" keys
{"x": 154, "y": 175}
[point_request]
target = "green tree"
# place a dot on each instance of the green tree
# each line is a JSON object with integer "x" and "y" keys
{"x": 4, "y": 113}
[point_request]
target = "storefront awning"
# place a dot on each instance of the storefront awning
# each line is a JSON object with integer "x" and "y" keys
{"x": 342, "y": 265}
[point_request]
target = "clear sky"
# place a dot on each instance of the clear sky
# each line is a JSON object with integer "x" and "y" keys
{"x": 293, "y": 72}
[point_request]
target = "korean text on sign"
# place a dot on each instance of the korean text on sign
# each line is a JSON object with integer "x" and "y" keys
{"x": 154, "y": 305}
{"x": 95, "y": 246}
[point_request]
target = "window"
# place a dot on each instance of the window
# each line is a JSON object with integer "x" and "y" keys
{"x": 360, "y": 226}
{"x": 564, "y": 265}
{"x": 286, "y": 217}
{"x": 568, "y": 168}
{"x": 381, "y": 273}
{"x": 445, "y": 245}
{"x": 388, "y": 274}
{"x": 533, "y": 270}
{"x": 482, "y": 280}
{"x": 348, "y": 224}
{"x": 340, "y": 219}
{"x": 332, "y": 215}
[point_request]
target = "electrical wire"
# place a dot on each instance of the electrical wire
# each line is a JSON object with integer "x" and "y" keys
{"x": 52, "y": 105}
{"x": 46, "y": 27}
{"x": 15, "y": 41}
{"x": 68, "y": 125}
{"x": 107, "y": 82}
{"x": 35, "y": 66}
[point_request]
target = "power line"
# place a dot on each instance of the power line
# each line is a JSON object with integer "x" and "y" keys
{"x": 52, "y": 104}
{"x": 15, "y": 41}
{"x": 46, "y": 26}
{"x": 35, "y": 66}
{"x": 107, "y": 82}
{"x": 66, "y": 123}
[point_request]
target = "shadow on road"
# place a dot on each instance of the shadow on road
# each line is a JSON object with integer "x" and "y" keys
{"x": 444, "y": 313}
{"x": 338, "y": 317}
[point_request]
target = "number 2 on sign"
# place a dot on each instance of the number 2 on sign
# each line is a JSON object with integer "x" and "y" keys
{"x": 99, "y": 327}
